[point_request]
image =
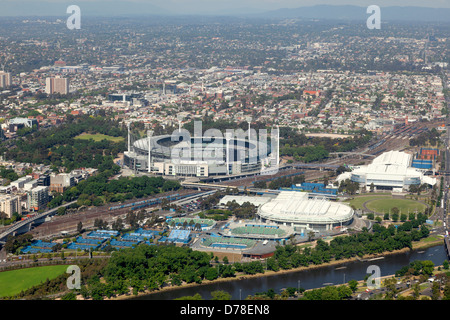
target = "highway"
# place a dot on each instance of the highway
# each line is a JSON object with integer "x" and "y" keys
{"x": 446, "y": 176}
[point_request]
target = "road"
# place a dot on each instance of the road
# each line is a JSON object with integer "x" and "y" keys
{"x": 447, "y": 166}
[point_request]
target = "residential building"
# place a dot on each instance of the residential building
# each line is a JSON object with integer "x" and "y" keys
{"x": 37, "y": 198}
{"x": 61, "y": 182}
{"x": 57, "y": 85}
{"x": 5, "y": 79}
{"x": 10, "y": 204}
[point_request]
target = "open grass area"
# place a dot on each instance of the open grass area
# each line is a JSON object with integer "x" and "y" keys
{"x": 404, "y": 205}
{"x": 384, "y": 203}
{"x": 358, "y": 201}
{"x": 98, "y": 137}
{"x": 14, "y": 281}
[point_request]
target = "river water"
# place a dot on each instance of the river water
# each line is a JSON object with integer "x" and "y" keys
{"x": 307, "y": 279}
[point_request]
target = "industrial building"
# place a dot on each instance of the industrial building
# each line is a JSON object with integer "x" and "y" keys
{"x": 391, "y": 170}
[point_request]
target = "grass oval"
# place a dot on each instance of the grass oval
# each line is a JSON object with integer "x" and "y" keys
{"x": 14, "y": 281}
{"x": 404, "y": 205}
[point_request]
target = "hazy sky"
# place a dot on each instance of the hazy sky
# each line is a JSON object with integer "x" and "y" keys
{"x": 267, "y": 3}
{"x": 298, "y": 3}
{"x": 225, "y": 6}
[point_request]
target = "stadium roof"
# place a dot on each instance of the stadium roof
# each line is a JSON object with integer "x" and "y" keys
{"x": 391, "y": 168}
{"x": 392, "y": 157}
{"x": 297, "y": 207}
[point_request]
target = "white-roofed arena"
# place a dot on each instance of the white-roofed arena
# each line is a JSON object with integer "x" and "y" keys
{"x": 390, "y": 171}
{"x": 298, "y": 210}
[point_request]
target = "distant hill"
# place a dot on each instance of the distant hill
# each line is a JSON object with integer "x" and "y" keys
{"x": 130, "y": 8}
{"x": 94, "y": 8}
{"x": 349, "y": 12}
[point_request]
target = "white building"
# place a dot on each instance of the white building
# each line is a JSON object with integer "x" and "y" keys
{"x": 5, "y": 79}
{"x": 37, "y": 198}
{"x": 57, "y": 85}
{"x": 390, "y": 171}
{"x": 20, "y": 183}
{"x": 297, "y": 209}
{"x": 10, "y": 204}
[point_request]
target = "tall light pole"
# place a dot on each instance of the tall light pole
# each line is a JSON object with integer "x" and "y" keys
{"x": 149, "y": 165}
{"x": 227, "y": 151}
{"x": 129, "y": 137}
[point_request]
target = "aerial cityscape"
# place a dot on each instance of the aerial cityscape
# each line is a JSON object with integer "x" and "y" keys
{"x": 228, "y": 151}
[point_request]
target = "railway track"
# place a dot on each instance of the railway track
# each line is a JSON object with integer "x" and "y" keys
{"x": 88, "y": 216}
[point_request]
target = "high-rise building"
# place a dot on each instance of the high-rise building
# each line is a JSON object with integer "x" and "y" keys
{"x": 60, "y": 182}
{"x": 10, "y": 204}
{"x": 57, "y": 85}
{"x": 37, "y": 198}
{"x": 44, "y": 180}
{"x": 5, "y": 79}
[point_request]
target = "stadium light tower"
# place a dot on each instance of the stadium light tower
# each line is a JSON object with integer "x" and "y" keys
{"x": 149, "y": 164}
{"x": 278, "y": 145}
{"x": 179, "y": 118}
{"x": 227, "y": 151}
{"x": 129, "y": 136}
{"x": 249, "y": 120}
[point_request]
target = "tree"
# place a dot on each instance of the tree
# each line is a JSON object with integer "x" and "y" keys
{"x": 61, "y": 211}
{"x": 80, "y": 227}
{"x": 353, "y": 284}
{"x": 394, "y": 217}
{"x": 196, "y": 296}
{"x": 117, "y": 225}
{"x": 211, "y": 274}
{"x": 220, "y": 295}
{"x": 69, "y": 296}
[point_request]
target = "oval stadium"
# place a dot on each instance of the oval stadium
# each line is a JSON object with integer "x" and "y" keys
{"x": 182, "y": 155}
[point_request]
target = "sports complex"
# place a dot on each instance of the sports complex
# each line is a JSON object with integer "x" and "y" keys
{"x": 300, "y": 210}
{"x": 204, "y": 155}
{"x": 391, "y": 170}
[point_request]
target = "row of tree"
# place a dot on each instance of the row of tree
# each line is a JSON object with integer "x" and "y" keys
{"x": 281, "y": 182}
{"x": 150, "y": 267}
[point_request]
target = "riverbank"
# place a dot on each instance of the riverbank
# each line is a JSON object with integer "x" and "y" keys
{"x": 417, "y": 246}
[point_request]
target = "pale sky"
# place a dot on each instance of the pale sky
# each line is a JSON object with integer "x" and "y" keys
{"x": 214, "y": 6}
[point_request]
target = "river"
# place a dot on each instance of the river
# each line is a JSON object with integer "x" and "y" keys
{"x": 307, "y": 279}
